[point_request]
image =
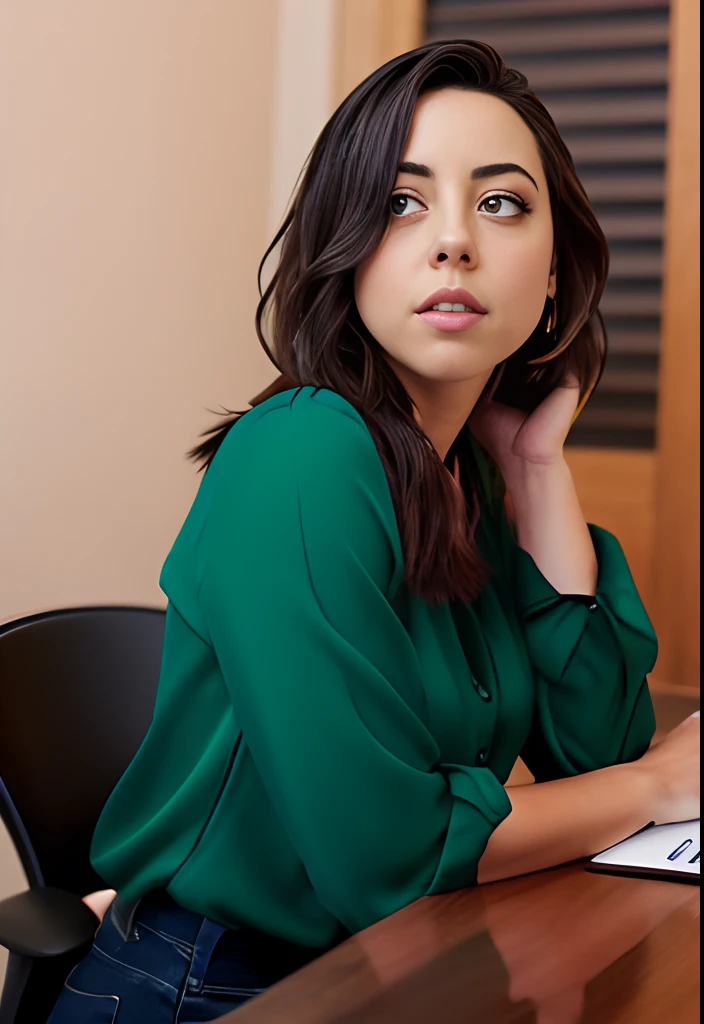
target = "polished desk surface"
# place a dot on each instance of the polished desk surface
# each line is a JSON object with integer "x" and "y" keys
{"x": 560, "y": 947}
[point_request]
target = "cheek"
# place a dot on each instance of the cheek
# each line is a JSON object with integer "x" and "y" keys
{"x": 377, "y": 289}
{"x": 522, "y": 279}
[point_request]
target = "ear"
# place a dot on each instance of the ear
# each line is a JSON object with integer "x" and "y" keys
{"x": 552, "y": 281}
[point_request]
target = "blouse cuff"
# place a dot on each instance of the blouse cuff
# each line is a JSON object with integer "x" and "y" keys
{"x": 615, "y": 587}
{"x": 480, "y": 804}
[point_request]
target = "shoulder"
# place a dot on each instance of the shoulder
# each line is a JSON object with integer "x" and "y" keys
{"x": 301, "y": 469}
{"x": 311, "y": 407}
{"x": 314, "y": 430}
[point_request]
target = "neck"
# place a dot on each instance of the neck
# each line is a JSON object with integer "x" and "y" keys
{"x": 441, "y": 407}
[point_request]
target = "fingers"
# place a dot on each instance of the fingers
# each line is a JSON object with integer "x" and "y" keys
{"x": 99, "y": 901}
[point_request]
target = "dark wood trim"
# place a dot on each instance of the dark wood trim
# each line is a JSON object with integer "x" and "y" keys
{"x": 370, "y": 32}
{"x": 676, "y": 538}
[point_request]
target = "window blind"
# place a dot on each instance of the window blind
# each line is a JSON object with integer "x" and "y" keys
{"x": 600, "y": 67}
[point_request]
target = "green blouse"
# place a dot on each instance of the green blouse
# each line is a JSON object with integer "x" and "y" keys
{"x": 325, "y": 747}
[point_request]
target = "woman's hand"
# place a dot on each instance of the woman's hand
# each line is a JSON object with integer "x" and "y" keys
{"x": 528, "y": 449}
{"x": 99, "y": 901}
{"x": 673, "y": 765}
{"x": 515, "y": 438}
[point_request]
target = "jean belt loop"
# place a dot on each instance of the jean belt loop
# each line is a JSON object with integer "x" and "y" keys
{"x": 205, "y": 943}
{"x": 122, "y": 916}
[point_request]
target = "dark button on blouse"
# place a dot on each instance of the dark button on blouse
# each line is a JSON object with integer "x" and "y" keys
{"x": 482, "y": 756}
{"x": 481, "y": 690}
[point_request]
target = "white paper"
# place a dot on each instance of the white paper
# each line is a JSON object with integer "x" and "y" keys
{"x": 673, "y": 847}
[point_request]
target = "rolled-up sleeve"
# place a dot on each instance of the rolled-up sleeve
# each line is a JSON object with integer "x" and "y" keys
{"x": 590, "y": 656}
{"x": 299, "y": 556}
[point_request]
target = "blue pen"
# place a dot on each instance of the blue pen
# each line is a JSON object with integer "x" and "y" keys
{"x": 680, "y": 849}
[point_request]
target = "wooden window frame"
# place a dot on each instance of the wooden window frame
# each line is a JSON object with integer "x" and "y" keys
{"x": 676, "y": 498}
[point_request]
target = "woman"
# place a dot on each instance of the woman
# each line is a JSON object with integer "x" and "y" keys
{"x": 359, "y": 643}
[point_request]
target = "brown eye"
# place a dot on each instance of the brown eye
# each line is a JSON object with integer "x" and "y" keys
{"x": 503, "y": 206}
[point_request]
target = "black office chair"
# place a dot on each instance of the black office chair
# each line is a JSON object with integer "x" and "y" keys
{"x": 77, "y": 691}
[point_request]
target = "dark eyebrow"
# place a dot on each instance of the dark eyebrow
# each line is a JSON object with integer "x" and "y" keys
{"x": 488, "y": 171}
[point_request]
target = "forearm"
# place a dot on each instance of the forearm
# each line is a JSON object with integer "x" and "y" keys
{"x": 555, "y": 822}
{"x": 550, "y": 525}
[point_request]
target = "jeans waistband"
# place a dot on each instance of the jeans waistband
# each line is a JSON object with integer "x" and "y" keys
{"x": 162, "y": 913}
{"x": 156, "y": 904}
{"x": 215, "y": 952}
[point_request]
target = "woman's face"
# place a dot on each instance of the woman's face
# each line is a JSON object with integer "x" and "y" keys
{"x": 461, "y": 219}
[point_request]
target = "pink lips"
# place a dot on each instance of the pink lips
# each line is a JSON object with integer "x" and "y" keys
{"x": 450, "y": 321}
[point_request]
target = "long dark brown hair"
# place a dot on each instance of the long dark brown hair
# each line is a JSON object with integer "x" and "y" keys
{"x": 336, "y": 220}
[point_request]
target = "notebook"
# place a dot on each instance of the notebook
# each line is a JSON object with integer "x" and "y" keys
{"x": 656, "y": 851}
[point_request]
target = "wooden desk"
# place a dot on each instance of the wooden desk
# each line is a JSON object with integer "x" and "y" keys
{"x": 560, "y": 947}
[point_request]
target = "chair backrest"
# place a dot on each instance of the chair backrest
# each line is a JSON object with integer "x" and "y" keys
{"x": 77, "y": 692}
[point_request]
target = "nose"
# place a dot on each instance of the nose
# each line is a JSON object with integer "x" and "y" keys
{"x": 453, "y": 249}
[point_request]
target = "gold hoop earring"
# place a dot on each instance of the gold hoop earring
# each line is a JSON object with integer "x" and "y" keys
{"x": 551, "y": 329}
{"x": 552, "y": 318}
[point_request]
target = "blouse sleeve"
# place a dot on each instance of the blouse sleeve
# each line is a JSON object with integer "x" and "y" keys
{"x": 590, "y": 656}
{"x": 299, "y": 554}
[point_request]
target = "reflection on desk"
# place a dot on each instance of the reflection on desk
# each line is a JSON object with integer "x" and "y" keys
{"x": 559, "y": 947}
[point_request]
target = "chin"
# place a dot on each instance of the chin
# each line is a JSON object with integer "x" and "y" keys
{"x": 451, "y": 367}
{"x": 450, "y": 371}
{"x": 434, "y": 379}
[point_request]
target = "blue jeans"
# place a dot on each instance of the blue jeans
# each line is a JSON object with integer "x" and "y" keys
{"x": 181, "y": 968}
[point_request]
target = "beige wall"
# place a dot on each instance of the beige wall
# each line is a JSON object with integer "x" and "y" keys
{"x": 303, "y": 99}
{"x": 135, "y": 135}
{"x": 149, "y": 147}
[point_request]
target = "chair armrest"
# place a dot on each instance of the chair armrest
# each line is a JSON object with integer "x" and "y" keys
{"x": 45, "y": 922}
